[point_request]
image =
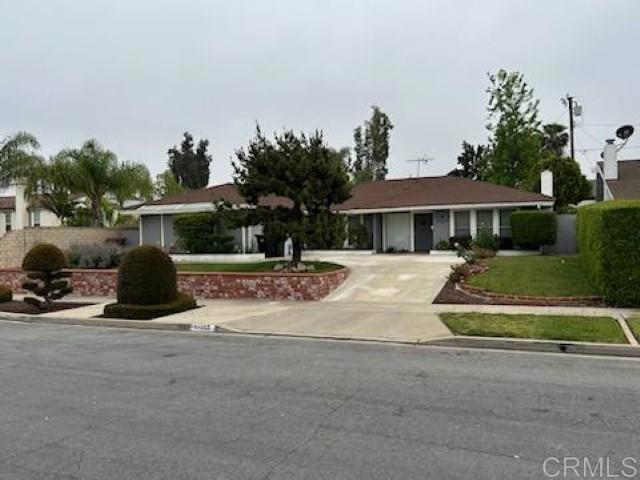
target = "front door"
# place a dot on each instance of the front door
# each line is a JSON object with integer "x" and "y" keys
{"x": 423, "y": 235}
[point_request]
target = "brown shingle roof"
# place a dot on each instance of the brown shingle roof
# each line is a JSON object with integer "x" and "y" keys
{"x": 415, "y": 192}
{"x": 7, "y": 203}
{"x": 627, "y": 186}
{"x": 226, "y": 192}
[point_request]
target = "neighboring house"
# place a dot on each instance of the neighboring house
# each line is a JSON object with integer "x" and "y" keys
{"x": 623, "y": 180}
{"x": 17, "y": 212}
{"x": 412, "y": 214}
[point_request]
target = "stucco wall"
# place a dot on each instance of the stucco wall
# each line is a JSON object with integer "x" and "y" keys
{"x": 397, "y": 231}
{"x": 15, "y": 244}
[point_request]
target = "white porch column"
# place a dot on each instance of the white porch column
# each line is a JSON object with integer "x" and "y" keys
{"x": 250, "y": 238}
{"x": 22, "y": 211}
{"x": 412, "y": 233}
{"x": 243, "y": 233}
{"x": 452, "y": 224}
{"x": 473, "y": 222}
{"x": 496, "y": 221}
{"x": 384, "y": 233}
{"x": 140, "y": 221}
{"x": 162, "y": 230}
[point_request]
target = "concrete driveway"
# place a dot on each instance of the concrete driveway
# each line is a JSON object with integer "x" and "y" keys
{"x": 386, "y": 297}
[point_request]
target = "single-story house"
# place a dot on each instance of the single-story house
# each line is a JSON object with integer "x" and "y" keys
{"x": 411, "y": 214}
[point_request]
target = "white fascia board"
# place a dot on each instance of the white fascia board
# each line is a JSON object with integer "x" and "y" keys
{"x": 175, "y": 208}
{"x": 459, "y": 206}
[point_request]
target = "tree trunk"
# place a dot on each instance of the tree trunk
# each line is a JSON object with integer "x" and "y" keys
{"x": 297, "y": 251}
{"x": 96, "y": 210}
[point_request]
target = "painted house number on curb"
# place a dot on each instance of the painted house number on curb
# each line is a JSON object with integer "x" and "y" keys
{"x": 203, "y": 328}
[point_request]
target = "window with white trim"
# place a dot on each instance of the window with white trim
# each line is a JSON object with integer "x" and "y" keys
{"x": 505, "y": 223}
{"x": 35, "y": 217}
{"x": 7, "y": 222}
{"x": 485, "y": 221}
{"x": 462, "y": 223}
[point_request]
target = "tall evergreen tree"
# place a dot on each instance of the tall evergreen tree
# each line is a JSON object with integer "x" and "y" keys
{"x": 471, "y": 162}
{"x": 513, "y": 124}
{"x": 190, "y": 167}
{"x": 372, "y": 147}
{"x": 302, "y": 169}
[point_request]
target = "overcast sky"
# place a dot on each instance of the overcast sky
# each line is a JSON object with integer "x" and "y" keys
{"x": 135, "y": 74}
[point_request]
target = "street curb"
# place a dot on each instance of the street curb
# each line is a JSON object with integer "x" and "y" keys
{"x": 96, "y": 322}
{"x": 548, "y": 346}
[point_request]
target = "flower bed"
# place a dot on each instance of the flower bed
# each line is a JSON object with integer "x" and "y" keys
{"x": 265, "y": 285}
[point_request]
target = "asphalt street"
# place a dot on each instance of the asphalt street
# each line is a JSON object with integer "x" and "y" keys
{"x": 93, "y": 403}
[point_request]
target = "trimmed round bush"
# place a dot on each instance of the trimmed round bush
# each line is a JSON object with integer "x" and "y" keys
{"x": 181, "y": 303}
{"x": 147, "y": 276}
{"x": 44, "y": 257}
{"x": 6, "y": 295}
{"x": 533, "y": 228}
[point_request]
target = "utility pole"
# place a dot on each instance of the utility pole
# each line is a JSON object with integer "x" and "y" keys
{"x": 570, "y": 102}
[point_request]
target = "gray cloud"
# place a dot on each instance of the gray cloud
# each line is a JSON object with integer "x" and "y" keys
{"x": 136, "y": 74}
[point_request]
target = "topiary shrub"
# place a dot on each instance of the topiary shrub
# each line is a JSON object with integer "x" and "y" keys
{"x": 532, "y": 229}
{"x": 6, "y": 295}
{"x": 147, "y": 286}
{"x": 147, "y": 276}
{"x": 45, "y": 264}
{"x": 609, "y": 246}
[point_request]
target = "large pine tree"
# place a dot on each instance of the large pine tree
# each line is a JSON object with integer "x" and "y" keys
{"x": 190, "y": 167}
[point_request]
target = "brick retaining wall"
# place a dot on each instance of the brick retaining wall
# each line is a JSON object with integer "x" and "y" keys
{"x": 272, "y": 286}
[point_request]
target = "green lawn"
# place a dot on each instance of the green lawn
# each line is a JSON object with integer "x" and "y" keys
{"x": 634, "y": 325}
{"x": 544, "y": 327}
{"x": 547, "y": 275}
{"x": 249, "y": 267}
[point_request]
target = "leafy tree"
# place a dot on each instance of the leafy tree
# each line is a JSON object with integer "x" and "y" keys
{"x": 372, "y": 147}
{"x": 166, "y": 185}
{"x": 570, "y": 186}
{"x": 555, "y": 138}
{"x": 48, "y": 183}
{"x": 471, "y": 162}
{"x": 17, "y": 156}
{"x": 302, "y": 169}
{"x": 513, "y": 124}
{"x": 190, "y": 167}
{"x": 132, "y": 180}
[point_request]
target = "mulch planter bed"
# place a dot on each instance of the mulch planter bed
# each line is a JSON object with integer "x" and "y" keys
{"x": 15, "y": 306}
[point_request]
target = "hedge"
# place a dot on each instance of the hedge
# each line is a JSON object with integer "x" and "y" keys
{"x": 181, "y": 303}
{"x": 147, "y": 276}
{"x": 202, "y": 233}
{"x": 533, "y": 228}
{"x": 609, "y": 244}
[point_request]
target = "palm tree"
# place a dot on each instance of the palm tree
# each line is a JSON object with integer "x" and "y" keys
{"x": 554, "y": 138}
{"x": 17, "y": 156}
{"x": 96, "y": 173}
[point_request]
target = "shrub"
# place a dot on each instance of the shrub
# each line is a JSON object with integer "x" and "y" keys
{"x": 482, "y": 253}
{"x": 486, "y": 241}
{"x": 458, "y": 272}
{"x": 44, "y": 265}
{"x": 359, "y": 236}
{"x": 202, "y": 233}
{"x": 467, "y": 254}
{"x": 147, "y": 276}
{"x": 533, "y": 228}
{"x": 464, "y": 241}
{"x": 181, "y": 303}
{"x": 97, "y": 255}
{"x": 609, "y": 244}
{"x": 442, "y": 245}
{"x": 6, "y": 295}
